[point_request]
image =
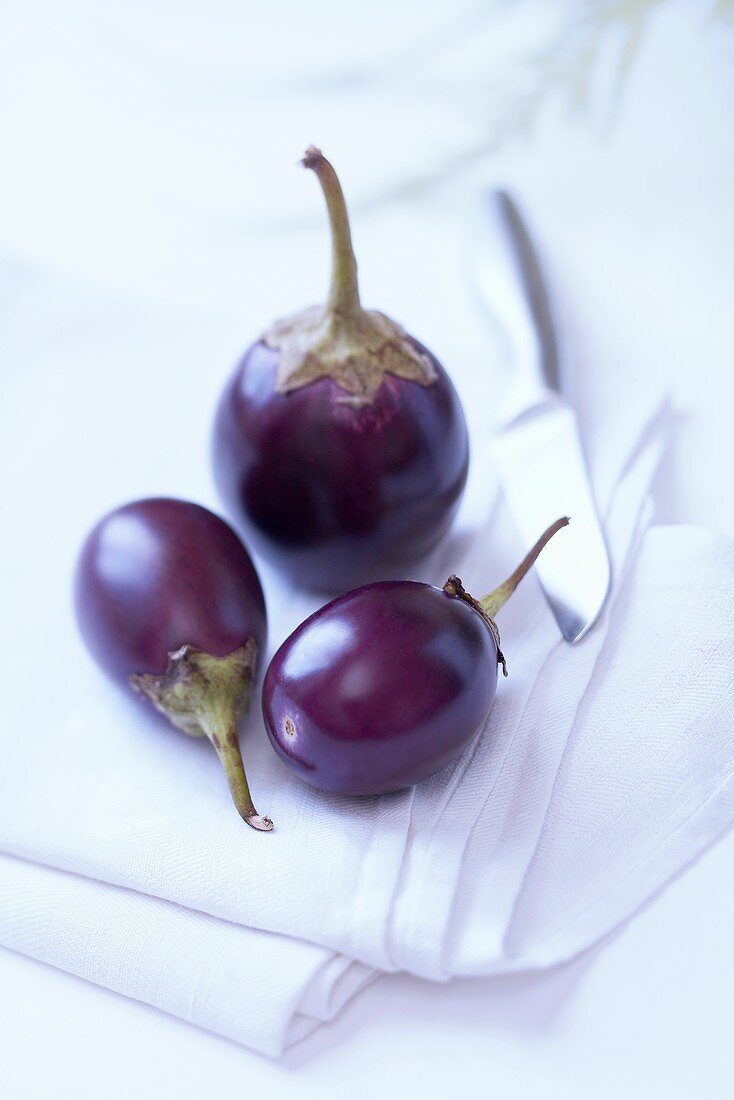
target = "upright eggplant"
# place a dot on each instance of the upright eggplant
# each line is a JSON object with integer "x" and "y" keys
{"x": 340, "y": 445}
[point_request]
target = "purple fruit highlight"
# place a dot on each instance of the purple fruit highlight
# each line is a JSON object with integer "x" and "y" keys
{"x": 169, "y": 603}
{"x": 385, "y": 685}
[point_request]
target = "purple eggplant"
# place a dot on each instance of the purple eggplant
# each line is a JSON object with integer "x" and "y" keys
{"x": 169, "y": 603}
{"x": 385, "y": 685}
{"x": 339, "y": 443}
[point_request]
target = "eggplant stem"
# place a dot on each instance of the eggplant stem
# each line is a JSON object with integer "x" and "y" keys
{"x": 354, "y": 347}
{"x": 226, "y": 744}
{"x": 204, "y": 695}
{"x": 343, "y": 300}
{"x": 456, "y": 590}
{"x": 497, "y": 599}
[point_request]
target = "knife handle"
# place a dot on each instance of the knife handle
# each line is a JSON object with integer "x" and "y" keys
{"x": 512, "y": 285}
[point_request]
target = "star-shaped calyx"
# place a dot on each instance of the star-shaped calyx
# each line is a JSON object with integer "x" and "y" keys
{"x": 353, "y": 346}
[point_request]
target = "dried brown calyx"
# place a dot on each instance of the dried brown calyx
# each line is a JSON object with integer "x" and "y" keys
{"x": 340, "y": 340}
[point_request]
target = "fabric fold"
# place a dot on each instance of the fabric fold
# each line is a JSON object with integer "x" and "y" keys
{"x": 262, "y": 990}
{"x": 125, "y": 864}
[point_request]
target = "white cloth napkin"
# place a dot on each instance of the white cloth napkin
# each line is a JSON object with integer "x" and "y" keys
{"x": 604, "y": 768}
{"x": 254, "y": 987}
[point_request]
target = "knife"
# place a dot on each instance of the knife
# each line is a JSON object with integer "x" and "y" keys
{"x": 537, "y": 448}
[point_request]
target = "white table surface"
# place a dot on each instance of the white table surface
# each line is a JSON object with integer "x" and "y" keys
{"x": 649, "y": 1012}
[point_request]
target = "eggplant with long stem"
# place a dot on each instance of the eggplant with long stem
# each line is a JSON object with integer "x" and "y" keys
{"x": 339, "y": 444}
{"x": 385, "y": 685}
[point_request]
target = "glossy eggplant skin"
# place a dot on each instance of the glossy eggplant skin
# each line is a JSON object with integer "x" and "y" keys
{"x": 380, "y": 688}
{"x": 335, "y": 494}
{"x": 158, "y": 574}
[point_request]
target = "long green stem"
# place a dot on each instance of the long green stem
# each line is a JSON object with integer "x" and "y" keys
{"x": 226, "y": 743}
{"x": 343, "y": 300}
{"x": 497, "y": 599}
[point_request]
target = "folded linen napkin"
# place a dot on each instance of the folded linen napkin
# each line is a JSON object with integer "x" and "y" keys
{"x": 260, "y": 989}
{"x": 603, "y": 770}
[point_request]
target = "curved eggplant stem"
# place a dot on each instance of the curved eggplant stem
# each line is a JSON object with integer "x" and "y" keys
{"x": 343, "y": 300}
{"x": 226, "y": 743}
{"x": 497, "y": 599}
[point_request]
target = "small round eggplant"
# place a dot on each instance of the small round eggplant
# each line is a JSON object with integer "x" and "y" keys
{"x": 169, "y": 603}
{"x": 385, "y": 685}
{"x": 339, "y": 443}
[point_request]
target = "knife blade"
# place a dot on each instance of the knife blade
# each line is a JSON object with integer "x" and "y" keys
{"x": 537, "y": 447}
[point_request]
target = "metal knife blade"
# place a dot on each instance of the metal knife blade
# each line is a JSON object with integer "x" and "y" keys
{"x": 537, "y": 448}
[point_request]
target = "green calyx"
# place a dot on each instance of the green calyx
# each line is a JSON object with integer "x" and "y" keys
{"x": 204, "y": 696}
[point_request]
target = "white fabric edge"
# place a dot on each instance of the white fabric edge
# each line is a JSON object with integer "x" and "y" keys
{"x": 134, "y": 944}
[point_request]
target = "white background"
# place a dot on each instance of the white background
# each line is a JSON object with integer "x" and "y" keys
{"x": 148, "y": 152}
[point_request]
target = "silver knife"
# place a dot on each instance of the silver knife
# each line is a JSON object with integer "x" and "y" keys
{"x": 540, "y": 461}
